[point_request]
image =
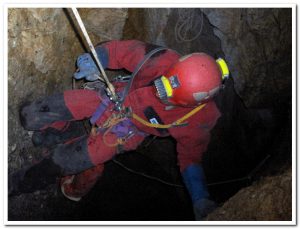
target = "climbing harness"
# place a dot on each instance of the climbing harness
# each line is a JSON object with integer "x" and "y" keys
{"x": 112, "y": 122}
{"x": 117, "y": 118}
{"x": 123, "y": 112}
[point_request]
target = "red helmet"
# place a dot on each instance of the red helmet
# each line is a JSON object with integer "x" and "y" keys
{"x": 194, "y": 79}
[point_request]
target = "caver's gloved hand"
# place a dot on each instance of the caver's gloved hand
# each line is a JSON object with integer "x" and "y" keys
{"x": 194, "y": 179}
{"x": 87, "y": 67}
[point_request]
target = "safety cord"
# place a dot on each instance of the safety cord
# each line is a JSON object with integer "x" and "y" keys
{"x": 248, "y": 177}
{"x": 179, "y": 122}
{"x": 147, "y": 176}
{"x": 92, "y": 48}
{"x": 136, "y": 70}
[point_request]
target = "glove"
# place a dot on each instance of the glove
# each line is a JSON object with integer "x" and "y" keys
{"x": 194, "y": 179}
{"x": 87, "y": 67}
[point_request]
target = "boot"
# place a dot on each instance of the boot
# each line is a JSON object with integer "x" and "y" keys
{"x": 74, "y": 187}
{"x": 37, "y": 114}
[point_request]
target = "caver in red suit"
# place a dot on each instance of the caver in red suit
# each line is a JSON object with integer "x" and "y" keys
{"x": 166, "y": 88}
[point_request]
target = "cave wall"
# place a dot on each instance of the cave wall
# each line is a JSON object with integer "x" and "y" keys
{"x": 183, "y": 29}
{"x": 41, "y": 52}
{"x": 258, "y": 46}
{"x": 42, "y": 48}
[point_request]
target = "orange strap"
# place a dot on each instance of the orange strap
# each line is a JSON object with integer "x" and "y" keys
{"x": 109, "y": 124}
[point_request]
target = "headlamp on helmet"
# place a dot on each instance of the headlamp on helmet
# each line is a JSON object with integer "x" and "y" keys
{"x": 194, "y": 79}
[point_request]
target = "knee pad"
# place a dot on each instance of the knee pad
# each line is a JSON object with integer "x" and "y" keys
{"x": 72, "y": 157}
{"x": 38, "y": 114}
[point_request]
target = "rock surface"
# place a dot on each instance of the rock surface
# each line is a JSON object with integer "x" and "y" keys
{"x": 104, "y": 24}
{"x": 269, "y": 199}
{"x": 40, "y": 62}
{"x": 257, "y": 44}
{"x": 42, "y": 51}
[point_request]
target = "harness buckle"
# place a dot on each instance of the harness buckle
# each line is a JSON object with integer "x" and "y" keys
{"x": 124, "y": 79}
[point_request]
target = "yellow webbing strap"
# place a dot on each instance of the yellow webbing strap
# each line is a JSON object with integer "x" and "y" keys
{"x": 174, "y": 124}
{"x": 112, "y": 121}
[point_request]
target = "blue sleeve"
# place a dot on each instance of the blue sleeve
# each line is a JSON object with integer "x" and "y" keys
{"x": 194, "y": 179}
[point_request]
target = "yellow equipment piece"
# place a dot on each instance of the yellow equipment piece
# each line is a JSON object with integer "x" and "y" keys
{"x": 224, "y": 68}
{"x": 115, "y": 119}
{"x": 167, "y": 86}
{"x": 179, "y": 122}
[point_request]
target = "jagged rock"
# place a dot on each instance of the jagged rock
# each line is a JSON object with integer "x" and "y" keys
{"x": 257, "y": 44}
{"x": 185, "y": 30}
{"x": 269, "y": 199}
{"x": 106, "y": 24}
{"x": 42, "y": 50}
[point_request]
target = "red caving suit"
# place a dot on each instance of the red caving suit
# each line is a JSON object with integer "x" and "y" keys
{"x": 192, "y": 140}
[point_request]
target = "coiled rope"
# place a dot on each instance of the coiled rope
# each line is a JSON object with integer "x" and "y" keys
{"x": 188, "y": 22}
